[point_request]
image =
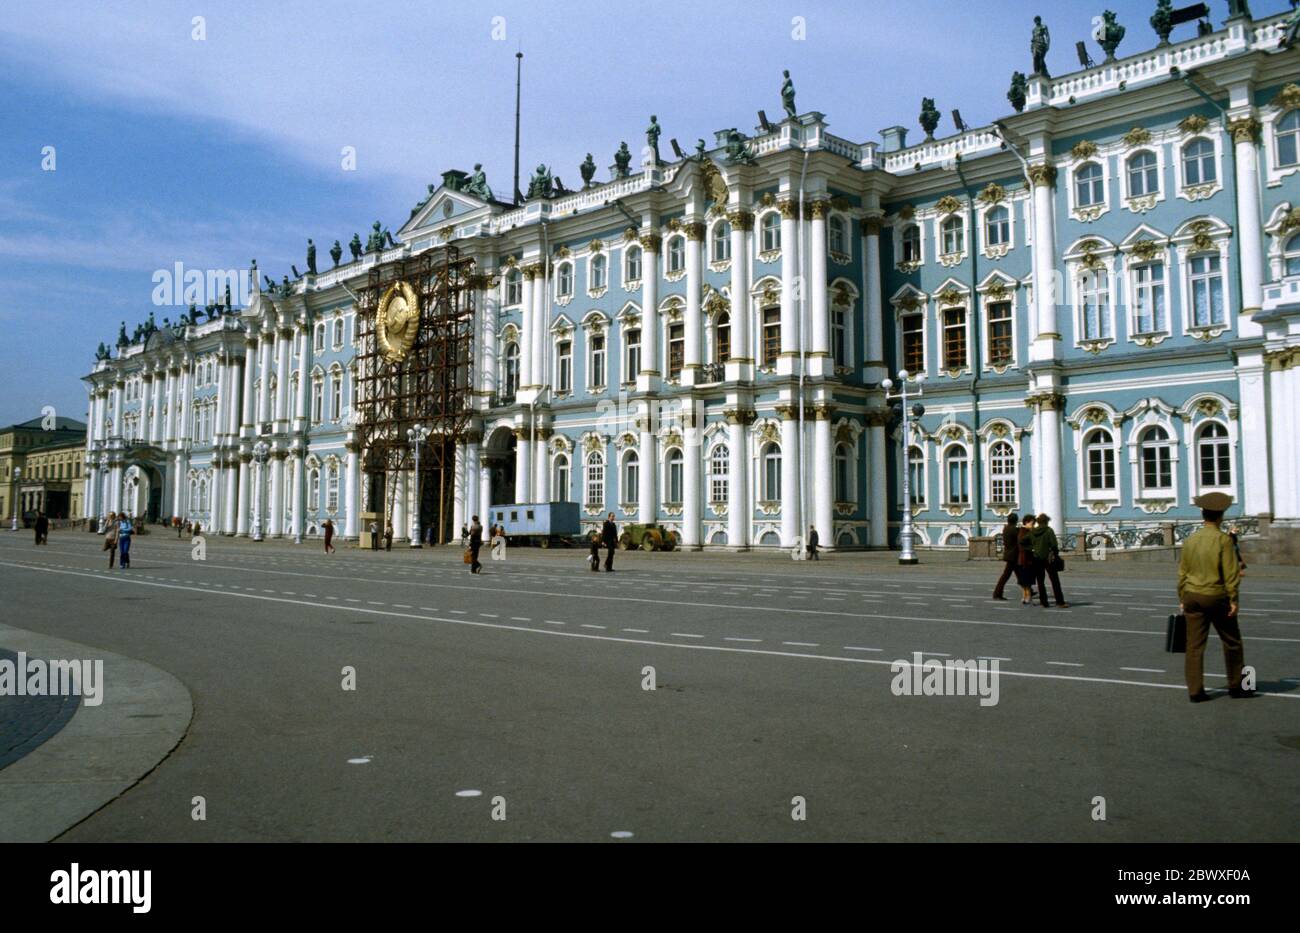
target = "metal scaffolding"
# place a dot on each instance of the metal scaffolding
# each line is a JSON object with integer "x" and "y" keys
{"x": 428, "y": 387}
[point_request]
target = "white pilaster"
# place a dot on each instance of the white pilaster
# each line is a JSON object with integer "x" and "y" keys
{"x": 646, "y": 504}
{"x": 351, "y": 495}
{"x": 693, "y": 355}
{"x": 275, "y": 465}
{"x": 785, "y": 364}
{"x": 823, "y": 481}
{"x": 876, "y": 481}
{"x": 738, "y": 478}
{"x": 647, "y": 380}
{"x": 692, "y": 481}
{"x": 790, "y": 478}
{"x": 523, "y": 465}
{"x": 1047, "y": 344}
{"x": 741, "y": 364}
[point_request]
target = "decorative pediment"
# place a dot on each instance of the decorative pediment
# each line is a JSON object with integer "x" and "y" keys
{"x": 947, "y": 205}
{"x": 442, "y": 205}
{"x": 993, "y": 193}
{"x": 562, "y": 325}
{"x": 1288, "y": 98}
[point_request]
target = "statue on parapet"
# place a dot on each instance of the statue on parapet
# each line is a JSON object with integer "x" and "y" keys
{"x": 652, "y": 139}
{"x": 311, "y": 257}
{"x": 738, "y": 150}
{"x": 477, "y": 184}
{"x": 787, "y": 95}
{"x": 1291, "y": 29}
{"x": 541, "y": 185}
{"x": 588, "y": 170}
{"x": 929, "y": 117}
{"x": 1111, "y": 35}
{"x": 1039, "y": 44}
{"x": 121, "y": 336}
{"x": 622, "y": 161}
{"x": 1019, "y": 91}
{"x": 355, "y": 246}
{"x": 336, "y": 253}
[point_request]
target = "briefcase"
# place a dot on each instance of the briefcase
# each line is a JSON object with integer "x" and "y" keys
{"x": 1176, "y": 634}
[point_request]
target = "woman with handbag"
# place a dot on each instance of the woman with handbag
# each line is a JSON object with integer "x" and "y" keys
{"x": 1047, "y": 561}
{"x": 110, "y": 537}
{"x": 1025, "y": 560}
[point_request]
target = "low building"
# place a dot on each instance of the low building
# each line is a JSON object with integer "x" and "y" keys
{"x": 41, "y": 467}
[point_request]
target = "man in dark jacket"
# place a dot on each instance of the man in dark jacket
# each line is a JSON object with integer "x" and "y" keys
{"x": 1010, "y": 553}
{"x": 813, "y": 541}
{"x": 475, "y": 535}
{"x": 609, "y": 536}
{"x": 42, "y": 528}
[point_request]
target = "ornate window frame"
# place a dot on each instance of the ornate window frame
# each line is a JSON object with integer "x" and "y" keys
{"x": 563, "y": 329}
{"x": 1283, "y": 224}
{"x": 762, "y": 253}
{"x": 992, "y": 433}
{"x": 1146, "y": 246}
{"x": 921, "y": 441}
{"x": 950, "y": 295}
{"x": 905, "y": 221}
{"x": 673, "y": 240}
{"x": 1142, "y": 203}
{"x": 1081, "y": 157}
{"x": 843, "y": 296}
{"x": 996, "y": 288}
{"x": 597, "y": 253}
{"x": 594, "y": 324}
{"x": 948, "y": 209}
{"x": 1196, "y": 128}
{"x": 1199, "y": 410}
{"x": 1091, "y": 254}
{"x": 1085, "y": 421}
{"x": 1285, "y": 101}
{"x": 1147, "y": 414}
{"x": 715, "y": 264}
{"x": 631, "y": 284}
{"x": 715, "y": 440}
{"x": 629, "y": 318}
{"x": 1198, "y": 236}
{"x": 955, "y": 437}
{"x": 845, "y": 256}
{"x": 910, "y": 300}
{"x": 562, "y": 298}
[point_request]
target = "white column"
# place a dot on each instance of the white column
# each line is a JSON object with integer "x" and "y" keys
{"x": 527, "y": 325}
{"x": 488, "y": 311}
{"x": 304, "y": 370}
{"x": 484, "y": 492}
{"x": 692, "y": 481}
{"x": 874, "y": 346}
{"x": 1250, "y": 226}
{"x": 215, "y": 489}
{"x": 117, "y": 414}
{"x": 179, "y": 469}
{"x": 147, "y": 384}
{"x": 234, "y": 386}
{"x": 1049, "y": 428}
{"x": 822, "y": 480}
{"x": 398, "y": 518}
{"x": 223, "y": 400}
{"x": 785, "y": 364}
{"x": 648, "y": 379}
{"x": 1047, "y": 344}
{"x": 299, "y": 493}
{"x": 264, "y": 395}
{"x": 693, "y": 357}
{"x": 1282, "y": 391}
{"x": 158, "y": 399}
{"x": 231, "y": 500}
{"x": 115, "y": 477}
{"x": 541, "y": 328}
{"x": 283, "y": 344}
{"x": 1253, "y": 440}
{"x": 541, "y": 468}
{"x": 789, "y": 475}
{"x": 460, "y": 505}
{"x": 275, "y": 465}
{"x": 169, "y": 397}
{"x": 523, "y": 463}
{"x": 351, "y": 495}
{"x": 248, "y": 417}
{"x": 244, "y": 506}
{"x": 470, "y": 481}
{"x": 741, "y": 364}
{"x": 815, "y": 292}
{"x": 738, "y": 478}
{"x": 877, "y": 481}
{"x": 646, "y": 504}
{"x": 92, "y": 492}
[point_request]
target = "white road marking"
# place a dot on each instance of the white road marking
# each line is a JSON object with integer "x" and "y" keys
{"x": 753, "y": 640}
{"x": 553, "y": 622}
{"x": 1144, "y": 670}
{"x": 989, "y": 657}
{"x": 400, "y": 606}
{"x": 801, "y": 644}
{"x": 513, "y": 618}
{"x": 639, "y": 631}
{"x": 589, "y": 625}
{"x": 684, "y": 635}
{"x": 1064, "y": 664}
{"x": 469, "y": 793}
{"x": 488, "y": 615}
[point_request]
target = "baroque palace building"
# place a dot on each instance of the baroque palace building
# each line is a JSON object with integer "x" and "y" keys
{"x": 1102, "y": 291}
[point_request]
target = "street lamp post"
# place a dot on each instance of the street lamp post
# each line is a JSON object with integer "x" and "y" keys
{"x": 416, "y": 436}
{"x": 260, "y": 451}
{"x": 906, "y": 535}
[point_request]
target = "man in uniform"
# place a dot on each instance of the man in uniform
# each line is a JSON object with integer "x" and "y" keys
{"x": 1208, "y": 576}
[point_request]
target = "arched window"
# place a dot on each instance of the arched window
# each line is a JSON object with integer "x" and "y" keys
{"x": 1288, "y": 139}
{"x": 595, "y": 478}
{"x": 997, "y": 227}
{"x": 564, "y": 366}
{"x": 673, "y": 477}
{"x": 336, "y": 395}
{"x": 564, "y": 280}
{"x": 720, "y": 248}
{"x": 771, "y": 335}
{"x": 332, "y": 488}
{"x": 338, "y": 333}
{"x": 514, "y": 287}
{"x": 719, "y": 470}
{"x": 1002, "y": 472}
{"x": 599, "y": 271}
{"x": 771, "y": 230}
{"x": 1207, "y": 289}
{"x": 843, "y": 474}
{"x": 1214, "y": 454}
{"x": 952, "y": 231}
{"x": 1157, "y": 460}
{"x": 676, "y": 254}
{"x": 836, "y": 232}
{"x": 772, "y": 473}
{"x": 194, "y": 494}
{"x": 1089, "y": 186}
{"x": 840, "y": 335}
{"x": 560, "y": 483}
{"x": 631, "y": 354}
{"x": 1198, "y": 163}
{"x": 911, "y": 240}
{"x": 957, "y": 471}
{"x": 632, "y": 264}
{"x": 722, "y": 331}
{"x": 319, "y": 339}
{"x": 916, "y": 475}
{"x": 1094, "y": 303}
{"x": 631, "y": 479}
{"x": 317, "y": 398}
{"x": 313, "y": 490}
{"x": 1291, "y": 255}
{"x": 1149, "y": 298}
{"x": 1143, "y": 175}
{"x": 510, "y": 378}
{"x": 1099, "y": 457}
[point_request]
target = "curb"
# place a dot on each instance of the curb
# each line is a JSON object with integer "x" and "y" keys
{"x": 101, "y": 753}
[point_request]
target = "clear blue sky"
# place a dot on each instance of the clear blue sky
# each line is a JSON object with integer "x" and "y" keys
{"x": 213, "y": 152}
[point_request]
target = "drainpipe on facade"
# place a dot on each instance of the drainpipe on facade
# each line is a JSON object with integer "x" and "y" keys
{"x": 977, "y": 462}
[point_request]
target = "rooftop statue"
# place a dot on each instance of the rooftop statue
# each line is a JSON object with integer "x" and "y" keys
{"x": 652, "y": 138}
{"x": 1162, "y": 20}
{"x": 622, "y": 161}
{"x": 379, "y": 237}
{"x": 193, "y": 314}
{"x": 477, "y": 184}
{"x": 738, "y": 149}
{"x": 1112, "y": 33}
{"x": 588, "y": 170}
{"x": 102, "y": 353}
{"x": 336, "y": 252}
{"x": 121, "y": 336}
{"x": 227, "y": 297}
{"x": 1039, "y": 43}
{"x": 423, "y": 201}
{"x": 541, "y": 185}
{"x": 284, "y": 287}
{"x": 1019, "y": 87}
{"x": 700, "y": 147}
{"x": 1292, "y": 26}
{"x": 270, "y": 285}
{"x": 929, "y": 117}
{"x": 1238, "y": 8}
{"x": 355, "y": 246}
{"x": 787, "y": 94}
{"x": 311, "y": 257}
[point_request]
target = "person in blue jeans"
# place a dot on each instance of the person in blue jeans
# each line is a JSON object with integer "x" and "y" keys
{"x": 124, "y": 530}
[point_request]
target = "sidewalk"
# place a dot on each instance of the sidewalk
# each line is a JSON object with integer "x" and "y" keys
{"x": 101, "y": 752}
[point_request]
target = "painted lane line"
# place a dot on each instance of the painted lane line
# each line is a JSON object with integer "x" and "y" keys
{"x": 1107, "y": 613}
{"x": 1064, "y": 664}
{"x": 751, "y": 640}
{"x": 553, "y": 622}
{"x": 373, "y": 602}
{"x": 351, "y": 600}
{"x": 589, "y": 625}
{"x": 639, "y": 631}
{"x": 856, "y": 648}
{"x": 430, "y": 608}
{"x": 989, "y": 657}
{"x": 684, "y": 635}
{"x": 1144, "y": 670}
{"x": 801, "y": 644}
{"x": 512, "y": 618}
{"x": 459, "y": 612}
{"x": 401, "y": 606}
{"x": 488, "y": 615}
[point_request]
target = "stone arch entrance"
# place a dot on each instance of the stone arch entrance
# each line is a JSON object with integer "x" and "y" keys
{"x": 499, "y": 455}
{"x": 142, "y": 492}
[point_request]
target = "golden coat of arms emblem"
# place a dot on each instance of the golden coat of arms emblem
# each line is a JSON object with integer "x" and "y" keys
{"x": 397, "y": 321}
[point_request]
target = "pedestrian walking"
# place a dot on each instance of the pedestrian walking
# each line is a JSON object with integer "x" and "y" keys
{"x": 110, "y": 537}
{"x": 609, "y": 535}
{"x": 1208, "y": 578}
{"x": 594, "y": 557}
{"x": 464, "y": 535}
{"x": 328, "y": 527}
{"x": 176, "y": 523}
{"x": 1010, "y": 535}
{"x": 474, "y": 535}
{"x": 388, "y": 537}
{"x": 374, "y": 536}
{"x": 124, "y": 531}
{"x": 42, "y": 528}
{"x": 812, "y": 543}
{"x": 1024, "y": 569}
{"x": 1047, "y": 560}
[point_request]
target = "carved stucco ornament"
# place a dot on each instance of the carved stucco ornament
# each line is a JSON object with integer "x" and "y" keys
{"x": 397, "y": 321}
